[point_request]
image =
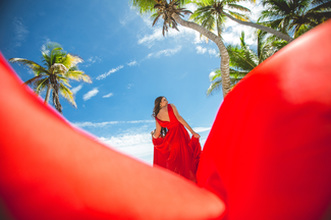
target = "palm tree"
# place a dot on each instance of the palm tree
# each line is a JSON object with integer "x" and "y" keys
{"x": 243, "y": 59}
{"x": 60, "y": 67}
{"x": 212, "y": 13}
{"x": 173, "y": 14}
{"x": 208, "y": 16}
{"x": 295, "y": 16}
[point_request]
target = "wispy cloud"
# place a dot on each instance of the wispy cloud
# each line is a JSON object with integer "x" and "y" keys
{"x": 150, "y": 39}
{"x": 166, "y": 52}
{"x": 132, "y": 63}
{"x": 103, "y": 124}
{"x": 21, "y": 31}
{"x": 137, "y": 145}
{"x": 135, "y": 140}
{"x": 114, "y": 70}
{"x": 231, "y": 35}
{"x": 203, "y": 50}
{"x": 108, "y": 95}
{"x": 90, "y": 94}
{"x": 130, "y": 85}
{"x": 201, "y": 129}
{"x": 76, "y": 89}
{"x": 92, "y": 60}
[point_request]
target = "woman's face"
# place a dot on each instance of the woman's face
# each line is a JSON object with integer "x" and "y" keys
{"x": 164, "y": 102}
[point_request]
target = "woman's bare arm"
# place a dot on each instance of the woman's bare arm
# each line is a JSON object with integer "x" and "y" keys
{"x": 157, "y": 132}
{"x": 183, "y": 122}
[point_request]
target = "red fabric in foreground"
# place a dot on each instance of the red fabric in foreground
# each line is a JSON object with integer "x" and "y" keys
{"x": 177, "y": 151}
{"x": 268, "y": 155}
{"x": 50, "y": 170}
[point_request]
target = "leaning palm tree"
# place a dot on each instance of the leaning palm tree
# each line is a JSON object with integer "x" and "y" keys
{"x": 173, "y": 14}
{"x": 243, "y": 59}
{"x": 60, "y": 67}
{"x": 295, "y": 16}
{"x": 213, "y": 13}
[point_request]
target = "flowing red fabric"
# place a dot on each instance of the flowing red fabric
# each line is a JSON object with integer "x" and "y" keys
{"x": 268, "y": 155}
{"x": 177, "y": 151}
{"x": 51, "y": 170}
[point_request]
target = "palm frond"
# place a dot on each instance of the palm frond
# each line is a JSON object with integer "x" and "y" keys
{"x": 239, "y": 16}
{"x": 67, "y": 94}
{"x": 78, "y": 76}
{"x": 70, "y": 60}
{"x": 40, "y": 85}
{"x": 238, "y": 7}
{"x": 214, "y": 86}
{"x": 36, "y": 68}
{"x": 166, "y": 11}
{"x": 31, "y": 81}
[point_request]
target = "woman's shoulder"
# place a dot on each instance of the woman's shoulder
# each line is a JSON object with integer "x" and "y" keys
{"x": 172, "y": 106}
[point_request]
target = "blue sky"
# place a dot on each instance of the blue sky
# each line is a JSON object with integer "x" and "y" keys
{"x": 128, "y": 60}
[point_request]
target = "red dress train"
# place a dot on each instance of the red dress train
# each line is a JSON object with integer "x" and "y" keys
{"x": 177, "y": 151}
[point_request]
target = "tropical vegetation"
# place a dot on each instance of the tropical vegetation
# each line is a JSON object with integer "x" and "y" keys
{"x": 59, "y": 68}
{"x": 213, "y": 13}
{"x": 173, "y": 14}
{"x": 283, "y": 19}
{"x": 243, "y": 59}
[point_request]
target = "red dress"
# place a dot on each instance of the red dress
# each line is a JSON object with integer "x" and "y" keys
{"x": 177, "y": 151}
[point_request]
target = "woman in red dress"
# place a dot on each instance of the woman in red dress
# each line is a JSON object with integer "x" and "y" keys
{"x": 174, "y": 149}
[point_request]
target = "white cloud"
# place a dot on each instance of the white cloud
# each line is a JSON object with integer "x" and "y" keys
{"x": 211, "y": 75}
{"x": 201, "y": 129}
{"x": 201, "y": 50}
{"x": 137, "y": 145}
{"x": 183, "y": 33}
{"x": 166, "y": 52}
{"x": 94, "y": 124}
{"x": 149, "y": 39}
{"x": 90, "y": 94}
{"x": 114, "y": 70}
{"x": 103, "y": 124}
{"x": 91, "y": 60}
{"x": 108, "y": 95}
{"x": 135, "y": 142}
{"x": 76, "y": 89}
{"x": 233, "y": 30}
{"x": 212, "y": 52}
{"x": 132, "y": 63}
{"x": 21, "y": 31}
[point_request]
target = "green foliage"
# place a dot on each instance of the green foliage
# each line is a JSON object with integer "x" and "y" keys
{"x": 166, "y": 11}
{"x": 243, "y": 59}
{"x": 60, "y": 67}
{"x": 147, "y": 6}
{"x": 295, "y": 17}
{"x": 210, "y": 14}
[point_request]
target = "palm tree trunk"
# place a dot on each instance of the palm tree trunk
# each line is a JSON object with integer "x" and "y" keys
{"x": 48, "y": 92}
{"x": 261, "y": 27}
{"x": 224, "y": 65}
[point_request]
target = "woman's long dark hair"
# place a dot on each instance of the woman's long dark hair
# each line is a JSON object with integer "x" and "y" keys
{"x": 157, "y": 106}
{"x": 156, "y": 111}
